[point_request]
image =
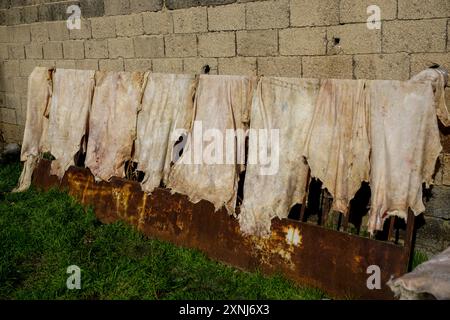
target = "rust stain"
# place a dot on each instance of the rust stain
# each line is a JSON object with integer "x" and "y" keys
{"x": 142, "y": 211}
{"x": 308, "y": 254}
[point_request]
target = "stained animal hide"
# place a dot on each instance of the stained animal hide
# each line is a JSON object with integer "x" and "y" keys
{"x": 438, "y": 81}
{"x": 286, "y": 105}
{"x": 221, "y": 103}
{"x": 429, "y": 278}
{"x": 36, "y": 124}
{"x": 112, "y": 122}
{"x": 167, "y": 105}
{"x": 338, "y": 145}
{"x": 405, "y": 145}
{"x": 69, "y": 110}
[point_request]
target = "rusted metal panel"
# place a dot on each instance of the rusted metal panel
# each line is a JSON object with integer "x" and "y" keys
{"x": 333, "y": 261}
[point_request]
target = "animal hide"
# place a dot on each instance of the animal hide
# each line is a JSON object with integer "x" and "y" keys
{"x": 338, "y": 145}
{"x": 210, "y": 164}
{"x": 167, "y": 105}
{"x": 112, "y": 122}
{"x": 405, "y": 145}
{"x": 437, "y": 79}
{"x": 283, "y": 107}
{"x": 429, "y": 278}
{"x": 69, "y": 110}
{"x": 36, "y": 123}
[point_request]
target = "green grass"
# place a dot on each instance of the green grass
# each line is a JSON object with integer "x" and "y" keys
{"x": 419, "y": 257}
{"x": 42, "y": 233}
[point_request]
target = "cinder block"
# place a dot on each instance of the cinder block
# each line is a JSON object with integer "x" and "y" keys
{"x": 149, "y": 46}
{"x": 190, "y": 20}
{"x": 305, "y": 13}
{"x": 10, "y": 68}
{"x": 86, "y": 64}
{"x": 95, "y": 49}
{"x": 356, "y": 10}
{"x": 423, "y": 9}
{"x": 178, "y": 4}
{"x": 116, "y": 7}
{"x": 448, "y": 36}
{"x": 8, "y": 115}
{"x": 53, "y": 50}
{"x": 138, "y": 65}
{"x": 21, "y": 113}
{"x": 217, "y": 44}
{"x": 303, "y": 41}
{"x": 21, "y": 34}
{"x": 280, "y": 66}
{"x": 382, "y": 66}
{"x": 196, "y": 65}
{"x": 46, "y": 63}
{"x": 145, "y": 5}
{"x": 421, "y": 61}
{"x": 27, "y": 66}
{"x": 85, "y": 32}
{"x": 414, "y": 36}
{"x": 178, "y": 45}
{"x": 92, "y": 8}
{"x": 353, "y": 39}
{"x": 2, "y": 99}
{"x": 257, "y": 43}
{"x": 446, "y": 169}
{"x": 12, "y": 16}
{"x": 39, "y": 32}
{"x": 29, "y": 14}
{"x": 157, "y": 22}
{"x": 4, "y": 34}
{"x": 229, "y": 17}
{"x": 73, "y": 49}
{"x": 33, "y": 51}
{"x": 238, "y": 66}
{"x": 111, "y": 65}
{"x": 325, "y": 67}
{"x": 103, "y": 27}
{"x": 66, "y": 64}
{"x": 7, "y": 84}
{"x": 57, "y": 30}
{"x": 168, "y": 65}
{"x": 121, "y": 48}
{"x": 12, "y": 99}
{"x": 11, "y": 133}
{"x": 21, "y": 85}
{"x": 3, "y": 53}
{"x": 16, "y": 51}
{"x": 129, "y": 25}
{"x": 267, "y": 14}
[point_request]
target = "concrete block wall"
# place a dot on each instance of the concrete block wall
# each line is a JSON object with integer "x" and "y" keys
{"x": 294, "y": 38}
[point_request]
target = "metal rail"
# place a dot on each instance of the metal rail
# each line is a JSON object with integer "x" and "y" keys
{"x": 308, "y": 253}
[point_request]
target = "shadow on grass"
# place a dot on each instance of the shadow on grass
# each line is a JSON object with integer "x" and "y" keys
{"x": 42, "y": 233}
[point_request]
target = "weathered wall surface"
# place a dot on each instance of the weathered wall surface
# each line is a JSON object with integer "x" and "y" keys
{"x": 299, "y": 38}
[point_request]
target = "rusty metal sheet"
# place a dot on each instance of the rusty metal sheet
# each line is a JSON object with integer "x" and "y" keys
{"x": 333, "y": 261}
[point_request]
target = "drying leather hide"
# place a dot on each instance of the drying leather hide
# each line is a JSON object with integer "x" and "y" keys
{"x": 429, "y": 278}
{"x": 36, "y": 124}
{"x": 405, "y": 145}
{"x": 221, "y": 103}
{"x": 69, "y": 110}
{"x": 112, "y": 123}
{"x": 167, "y": 105}
{"x": 286, "y": 105}
{"x": 438, "y": 81}
{"x": 338, "y": 145}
